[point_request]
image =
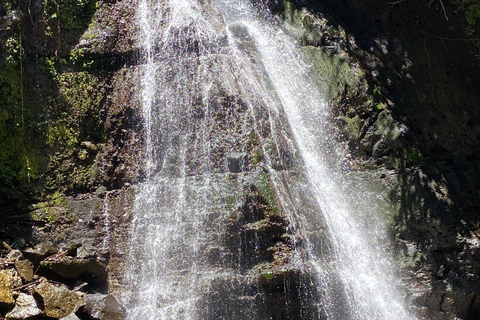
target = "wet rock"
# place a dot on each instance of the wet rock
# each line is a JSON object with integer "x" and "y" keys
{"x": 84, "y": 253}
{"x": 25, "y": 307}
{"x": 59, "y": 301}
{"x": 236, "y": 162}
{"x": 103, "y": 307}
{"x": 6, "y": 287}
{"x": 24, "y": 269}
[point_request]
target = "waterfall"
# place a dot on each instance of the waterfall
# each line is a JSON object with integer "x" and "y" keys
{"x": 234, "y": 122}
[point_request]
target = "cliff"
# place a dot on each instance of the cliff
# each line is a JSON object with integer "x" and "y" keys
{"x": 402, "y": 81}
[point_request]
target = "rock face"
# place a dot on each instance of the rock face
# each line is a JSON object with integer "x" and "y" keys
{"x": 402, "y": 94}
{"x": 414, "y": 130}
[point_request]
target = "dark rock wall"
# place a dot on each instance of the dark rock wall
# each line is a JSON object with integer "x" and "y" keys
{"x": 414, "y": 119}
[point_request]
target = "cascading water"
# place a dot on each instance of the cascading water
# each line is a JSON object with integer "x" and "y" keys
{"x": 228, "y": 103}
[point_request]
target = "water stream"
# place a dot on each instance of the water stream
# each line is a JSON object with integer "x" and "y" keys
{"x": 215, "y": 74}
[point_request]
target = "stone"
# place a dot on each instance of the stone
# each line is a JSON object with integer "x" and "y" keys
{"x": 14, "y": 255}
{"x": 386, "y": 134}
{"x": 6, "y": 245}
{"x": 71, "y": 316}
{"x": 236, "y": 162}
{"x": 24, "y": 269}
{"x": 59, "y": 301}
{"x": 40, "y": 251}
{"x": 85, "y": 253}
{"x": 103, "y": 307}
{"x": 6, "y": 287}
{"x": 25, "y": 307}
{"x": 101, "y": 191}
{"x": 73, "y": 267}
{"x": 89, "y": 145}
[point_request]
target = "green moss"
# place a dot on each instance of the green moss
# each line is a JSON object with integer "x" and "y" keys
{"x": 20, "y": 153}
{"x": 351, "y": 127}
{"x": 265, "y": 191}
{"x": 81, "y": 97}
{"x": 267, "y": 275}
{"x": 258, "y": 156}
{"x": 55, "y": 209}
{"x": 335, "y": 75}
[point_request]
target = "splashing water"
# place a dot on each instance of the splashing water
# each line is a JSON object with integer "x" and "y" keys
{"x": 198, "y": 58}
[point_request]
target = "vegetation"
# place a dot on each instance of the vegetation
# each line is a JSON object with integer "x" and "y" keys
{"x": 19, "y": 158}
{"x": 71, "y": 13}
{"x": 34, "y": 131}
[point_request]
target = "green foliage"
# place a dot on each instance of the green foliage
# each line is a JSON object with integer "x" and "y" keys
{"x": 49, "y": 65}
{"x": 20, "y": 159}
{"x": 471, "y": 9}
{"x": 412, "y": 155}
{"x": 9, "y": 4}
{"x": 77, "y": 57}
{"x": 73, "y": 14}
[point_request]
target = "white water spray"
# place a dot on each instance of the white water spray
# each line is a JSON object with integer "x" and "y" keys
{"x": 174, "y": 206}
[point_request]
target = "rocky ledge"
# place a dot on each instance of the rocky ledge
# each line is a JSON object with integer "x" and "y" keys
{"x": 49, "y": 282}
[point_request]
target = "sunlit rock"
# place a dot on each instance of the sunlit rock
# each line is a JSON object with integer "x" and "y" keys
{"x": 6, "y": 287}
{"x": 24, "y": 269}
{"x": 25, "y": 307}
{"x": 59, "y": 301}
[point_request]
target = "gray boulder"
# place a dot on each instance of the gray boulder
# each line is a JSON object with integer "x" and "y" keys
{"x": 103, "y": 307}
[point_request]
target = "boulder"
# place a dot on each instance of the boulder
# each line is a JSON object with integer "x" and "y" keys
{"x": 103, "y": 307}
{"x": 14, "y": 255}
{"x": 6, "y": 287}
{"x": 59, "y": 301}
{"x": 24, "y": 269}
{"x": 72, "y": 267}
{"x": 25, "y": 307}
